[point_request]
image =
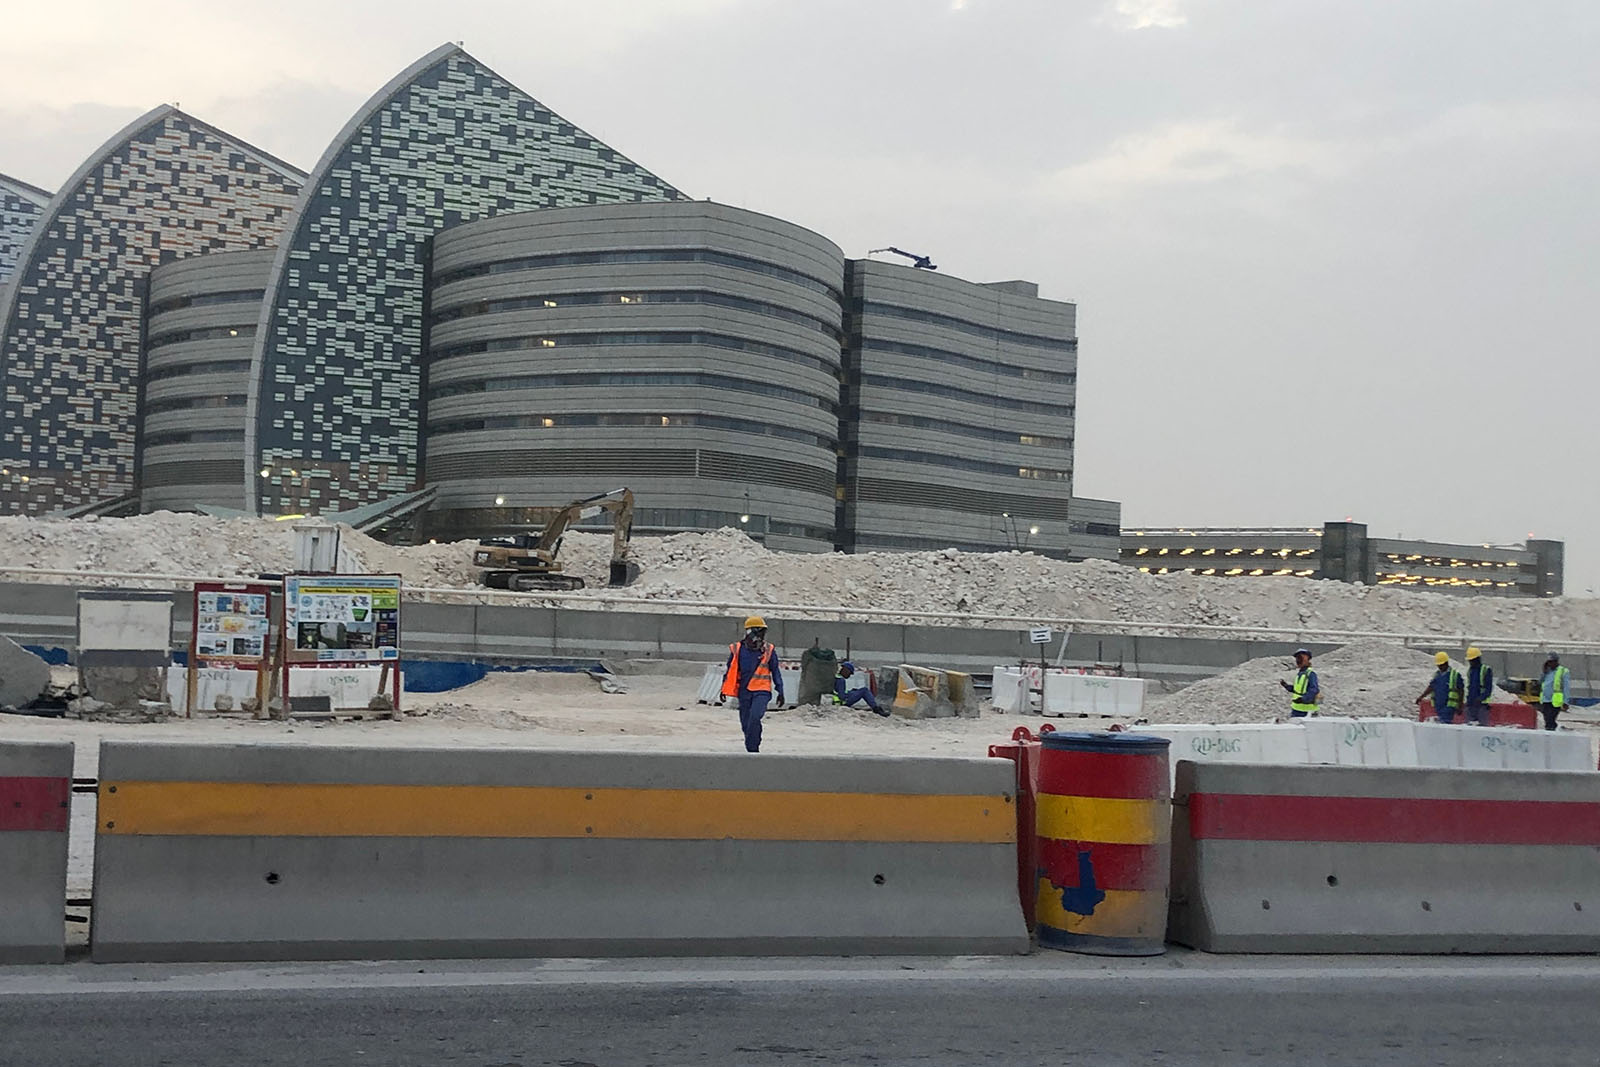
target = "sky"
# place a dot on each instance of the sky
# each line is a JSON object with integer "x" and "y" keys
{"x": 1332, "y": 258}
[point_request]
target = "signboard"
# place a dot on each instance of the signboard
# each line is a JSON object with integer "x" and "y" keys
{"x": 232, "y": 622}
{"x": 232, "y": 631}
{"x": 1039, "y": 635}
{"x": 341, "y": 618}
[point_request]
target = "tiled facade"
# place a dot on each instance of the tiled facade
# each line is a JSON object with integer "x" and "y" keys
{"x": 333, "y": 415}
{"x": 21, "y": 205}
{"x": 166, "y": 187}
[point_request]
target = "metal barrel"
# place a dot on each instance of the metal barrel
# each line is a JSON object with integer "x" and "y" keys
{"x": 1104, "y": 852}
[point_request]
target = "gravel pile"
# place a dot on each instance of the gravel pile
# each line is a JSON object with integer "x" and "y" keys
{"x": 725, "y": 565}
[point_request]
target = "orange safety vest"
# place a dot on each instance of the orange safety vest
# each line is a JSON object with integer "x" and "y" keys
{"x": 760, "y": 682}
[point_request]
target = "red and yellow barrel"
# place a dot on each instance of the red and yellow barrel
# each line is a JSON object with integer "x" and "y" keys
{"x": 1104, "y": 854}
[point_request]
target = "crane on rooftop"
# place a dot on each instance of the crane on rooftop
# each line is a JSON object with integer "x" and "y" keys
{"x": 920, "y": 262}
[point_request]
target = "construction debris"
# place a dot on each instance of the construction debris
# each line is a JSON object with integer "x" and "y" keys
{"x": 23, "y": 676}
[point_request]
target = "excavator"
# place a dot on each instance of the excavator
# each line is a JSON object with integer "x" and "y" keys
{"x": 528, "y": 562}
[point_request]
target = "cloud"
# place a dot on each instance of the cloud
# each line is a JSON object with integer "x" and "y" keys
{"x": 1190, "y": 153}
{"x": 1144, "y": 14}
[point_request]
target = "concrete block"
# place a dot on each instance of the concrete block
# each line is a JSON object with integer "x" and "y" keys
{"x": 35, "y": 806}
{"x": 296, "y": 852}
{"x": 1384, "y": 859}
{"x": 23, "y": 676}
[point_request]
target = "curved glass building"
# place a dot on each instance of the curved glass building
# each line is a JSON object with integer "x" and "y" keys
{"x": 200, "y": 327}
{"x": 335, "y": 386}
{"x": 167, "y": 186}
{"x": 687, "y": 350}
{"x": 21, "y": 206}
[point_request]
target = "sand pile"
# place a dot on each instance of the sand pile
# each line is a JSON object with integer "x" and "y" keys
{"x": 1364, "y": 678}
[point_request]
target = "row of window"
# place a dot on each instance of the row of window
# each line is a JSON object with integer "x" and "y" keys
{"x": 674, "y": 255}
{"x": 950, "y": 322}
{"x": 680, "y": 296}
{"x": 181, "y": 403}
{"x": 712, "y": 422}
{"x": 210, "y": 333}
{"x": 632, "y": 380}
{"x": 618, "y": 340}
{"x": 967, "y": 396}
{"x": 988, "y": 366}
{"x": 226, "y": 366}
{"x": 934, "y": 459}
{"x": 986, "y": 433}
{"x": 237, "y": 296}
{"x": 193, "y": 437}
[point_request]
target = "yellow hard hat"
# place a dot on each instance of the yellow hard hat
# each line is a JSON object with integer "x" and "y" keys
{"x": 1474, "y": 653}
{"x": 755, "y": 622}
{"x": 1441, "y": 658}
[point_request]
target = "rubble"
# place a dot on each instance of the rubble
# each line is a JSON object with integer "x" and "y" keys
{"x": 23, "y": 676}
{"x": 727, "y": 566}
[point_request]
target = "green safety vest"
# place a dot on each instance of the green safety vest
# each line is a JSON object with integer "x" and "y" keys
{"x": 1302, "y": 682}
{"x": 1454, "y": 700}
{"x": 1558, "y": 690}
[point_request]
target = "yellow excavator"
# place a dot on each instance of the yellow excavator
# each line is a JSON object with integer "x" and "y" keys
{"x": 528, "y": 562}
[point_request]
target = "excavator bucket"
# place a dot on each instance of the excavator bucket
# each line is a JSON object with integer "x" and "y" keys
{"x": 624, "y": 572}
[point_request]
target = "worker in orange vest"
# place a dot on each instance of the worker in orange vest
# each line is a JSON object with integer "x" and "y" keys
{"x": 753, "y": 677}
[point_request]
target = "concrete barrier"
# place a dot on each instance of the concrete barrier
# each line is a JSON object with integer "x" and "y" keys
{"x": 1384, "y": 859}
{"x": 263, "y": 852}
{"x": 35, "y": 807}
{"x": 1361, "y": 742}
{"x": 1067, "y": 692}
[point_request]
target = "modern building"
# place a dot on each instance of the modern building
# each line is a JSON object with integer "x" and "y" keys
{"x": 469, "y": 299}
{"x": 685, "y": 349}
{"x": 336, "y": 384}
{"x": 200, "y": 326}
{"x": 960, "y": 414}
{"x": 72, "y": 316}
{"x": 1343, "y": 551}
{"x": 21, "y": 207}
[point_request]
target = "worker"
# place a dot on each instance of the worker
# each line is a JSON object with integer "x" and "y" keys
{"x": 1553, "y": 690}
{"x": 1480, "y": 688}
{"x": 1445, "y": 688}
{"x": 754, "y": 678}
{"x": 1306, "y": 691}
{"x": 844, "y": 694}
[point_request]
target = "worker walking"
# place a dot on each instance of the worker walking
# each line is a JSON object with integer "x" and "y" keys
{"x": 753, "y": 677}
{"x": 848, "y": 695}
{"x": 1306, "y": 692}
{"x": 1553, "y": 690}
{"x": 1445, "y": 688}
{"x": 1480, "y": 688}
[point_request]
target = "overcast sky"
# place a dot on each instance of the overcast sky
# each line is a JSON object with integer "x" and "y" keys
{"x": 1332, "y": 258}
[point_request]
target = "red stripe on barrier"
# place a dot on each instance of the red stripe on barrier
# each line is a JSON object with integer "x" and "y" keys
{"x": 35, "y": 804}
{"x": 1401, "y": 820}
{"x": 1116, "y": 775}
{"x": 1112, "y": 866}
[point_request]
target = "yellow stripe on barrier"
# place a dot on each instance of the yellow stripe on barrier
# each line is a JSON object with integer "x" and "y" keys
{"x": 1123, "y": 913}
{"x": 1115, "y": 822}
{"x": 259, "y": 809}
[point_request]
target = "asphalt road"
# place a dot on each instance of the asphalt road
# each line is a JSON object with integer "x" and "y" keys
{"x": 1052, "y": 1009}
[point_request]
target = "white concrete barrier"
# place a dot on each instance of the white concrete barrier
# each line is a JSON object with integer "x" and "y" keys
{"x": 345, "y": 687}
{"x": 1068, "y": 692}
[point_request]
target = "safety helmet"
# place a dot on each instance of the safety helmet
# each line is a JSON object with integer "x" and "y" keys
{"x": 755, "y": 622}
{"x": 1441, "y": 658}
{"x": 1474, "y": 652}
{"x": 847, "y": 666}
{"x": 1306, "y": 652}
{"x": 1553, "y": 658}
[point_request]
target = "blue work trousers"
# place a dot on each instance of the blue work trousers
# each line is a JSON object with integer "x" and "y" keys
{"x": 1478, "y": 714}
{"x": 1447, "y": 714}
{"x": 752, "y": 706}
{"x": 854, "y": 695}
